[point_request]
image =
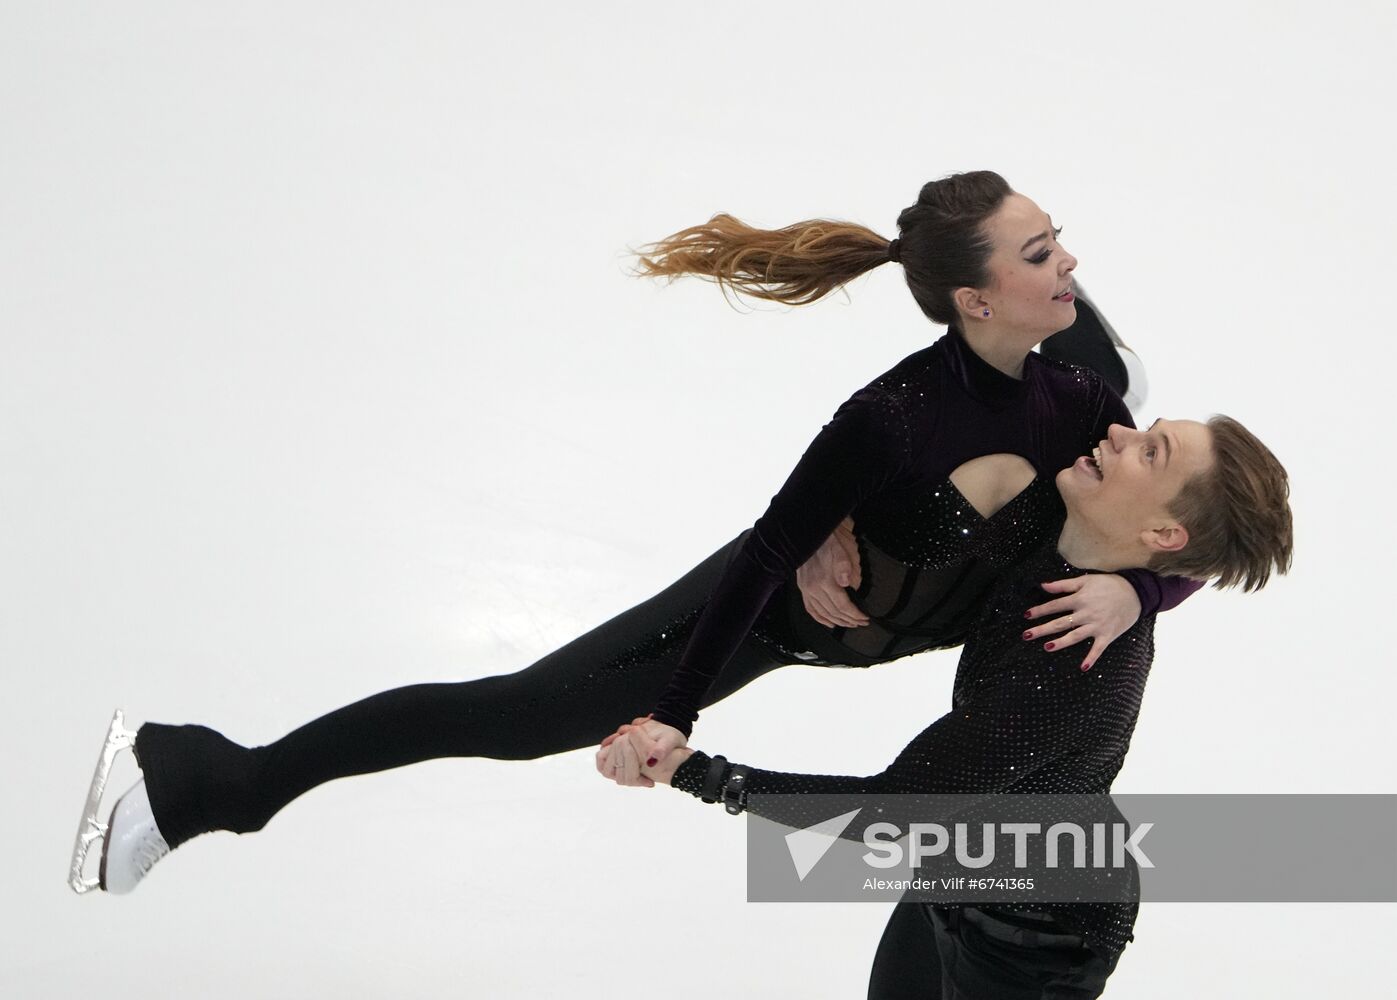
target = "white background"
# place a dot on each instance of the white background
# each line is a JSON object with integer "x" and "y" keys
{"x": 322, "y": 373}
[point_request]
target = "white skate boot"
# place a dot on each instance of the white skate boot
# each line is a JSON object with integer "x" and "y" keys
{"x": 131, "y": 842}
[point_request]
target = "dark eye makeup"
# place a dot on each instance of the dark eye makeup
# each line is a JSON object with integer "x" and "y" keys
{"x": 1047, "y": 252}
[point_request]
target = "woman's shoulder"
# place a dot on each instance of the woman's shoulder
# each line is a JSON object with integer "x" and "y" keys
{"x": 905, "y": 394}
{"x": 1066, "y": 373}
{"x": 916, "y": 377}
{"x": 1075, "y": 386}
{"x": 894, "y": 409}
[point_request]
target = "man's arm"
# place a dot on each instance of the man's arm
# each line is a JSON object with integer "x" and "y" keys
{"x": 1027, "y": 716}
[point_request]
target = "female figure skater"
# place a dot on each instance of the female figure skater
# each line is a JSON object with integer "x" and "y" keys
{"x": 978, "y": 257}
{"x": 1208, "y": 500}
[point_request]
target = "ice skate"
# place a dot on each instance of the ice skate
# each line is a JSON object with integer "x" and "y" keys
{"x": 1094, "y": 343}
{"x": 131, "y": 842}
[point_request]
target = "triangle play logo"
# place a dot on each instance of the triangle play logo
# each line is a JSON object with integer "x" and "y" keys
{"x": 808, "y": 846}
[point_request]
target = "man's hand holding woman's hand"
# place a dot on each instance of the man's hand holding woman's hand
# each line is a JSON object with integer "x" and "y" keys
{"x": 642, "y": 752}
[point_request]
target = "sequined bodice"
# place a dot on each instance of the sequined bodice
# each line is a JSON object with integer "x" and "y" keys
{"x": 924, "y": 575}
{"x": 940, "y": 528}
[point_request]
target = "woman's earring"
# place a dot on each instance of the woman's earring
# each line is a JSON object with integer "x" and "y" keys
{"x": 987, "y": 314}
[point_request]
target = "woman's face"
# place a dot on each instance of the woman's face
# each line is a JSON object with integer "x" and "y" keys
{"x": 1030, "y": 287}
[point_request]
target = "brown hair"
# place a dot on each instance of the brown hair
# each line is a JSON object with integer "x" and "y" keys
{"x": 1237, "y": 514}
{"x": 942, "y": 246}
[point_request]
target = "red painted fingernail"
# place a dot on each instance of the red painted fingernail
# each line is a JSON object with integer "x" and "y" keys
{"x": 650, "y": 762}
{"x": 1028, "y": 635}
{"x": 1048, "y": 646}
{"x": 1086, "y": 666}
{"x": 1028, "y": 614}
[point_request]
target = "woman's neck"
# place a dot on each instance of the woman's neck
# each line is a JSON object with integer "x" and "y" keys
{"x": 998, "y": 348}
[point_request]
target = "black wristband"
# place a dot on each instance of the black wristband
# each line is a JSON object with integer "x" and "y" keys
{"x": 713, "y": 780}
{"x": 735, "y": 789}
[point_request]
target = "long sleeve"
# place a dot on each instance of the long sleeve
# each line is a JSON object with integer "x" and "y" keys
{"x": 1160, "y": 593}
{"x": 859, "y": 452}
{"x": 983, "y": 747}
{"x": 997, "y": 744}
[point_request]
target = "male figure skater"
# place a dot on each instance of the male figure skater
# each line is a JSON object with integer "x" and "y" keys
{"x": 1208, "y": 501}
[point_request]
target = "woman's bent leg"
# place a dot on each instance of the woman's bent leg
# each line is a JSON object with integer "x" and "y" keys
{"x": 574, "y": 697}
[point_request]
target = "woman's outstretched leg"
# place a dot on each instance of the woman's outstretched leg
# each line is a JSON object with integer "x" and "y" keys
{"x": 198, "y": 781}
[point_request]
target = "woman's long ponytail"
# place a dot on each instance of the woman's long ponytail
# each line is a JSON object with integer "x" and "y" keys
{"x": 795, "y": 265}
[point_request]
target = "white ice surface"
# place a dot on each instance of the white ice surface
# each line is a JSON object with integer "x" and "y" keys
{"x": 320, "y": 373}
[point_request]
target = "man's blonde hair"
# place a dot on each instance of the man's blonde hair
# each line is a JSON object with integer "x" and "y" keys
{"x": 1237, "y": 514}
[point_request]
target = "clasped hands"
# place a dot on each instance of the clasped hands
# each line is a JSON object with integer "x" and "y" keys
{"x": 641, "y": 753}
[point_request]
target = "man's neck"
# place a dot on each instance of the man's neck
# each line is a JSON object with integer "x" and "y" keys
{"x": 1087, "y": 549}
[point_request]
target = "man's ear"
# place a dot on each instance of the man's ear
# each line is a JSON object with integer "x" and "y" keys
{"x": 1170, "y": 537}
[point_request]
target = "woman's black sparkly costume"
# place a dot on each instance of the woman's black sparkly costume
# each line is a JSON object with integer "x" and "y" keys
{"x": 885, "y": 457}
{"x": 928, "y": 557}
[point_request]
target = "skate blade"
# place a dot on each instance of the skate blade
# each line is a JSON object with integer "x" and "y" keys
{"x": 90, "y": 829}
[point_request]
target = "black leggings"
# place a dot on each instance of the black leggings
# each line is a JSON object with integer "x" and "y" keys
{"x": 200, "y": 781}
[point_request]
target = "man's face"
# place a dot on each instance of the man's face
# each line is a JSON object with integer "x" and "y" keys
{"x": 1139, "y": 473}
